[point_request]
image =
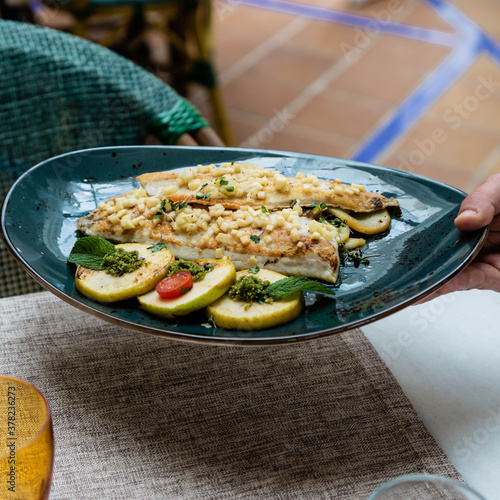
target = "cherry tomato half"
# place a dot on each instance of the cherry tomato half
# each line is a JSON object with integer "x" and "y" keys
{"x": 175, "y": 285}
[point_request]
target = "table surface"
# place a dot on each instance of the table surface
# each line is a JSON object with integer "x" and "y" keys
{"x": 445, "y": 354}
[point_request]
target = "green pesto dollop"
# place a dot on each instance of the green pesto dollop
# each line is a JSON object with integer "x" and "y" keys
{"x": 197, "y": 272}
{"x": 121, "y": 261}
{"x": 249, "y": 289}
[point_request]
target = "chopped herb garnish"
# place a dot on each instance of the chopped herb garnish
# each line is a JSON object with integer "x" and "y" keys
{"x": 249, "y": 289}
{"x": 160, "y": 211}
{"x": 208, "y": 267}
{"x": 121, "y": 262}
{"x": 254, "y": 270}
{"x": 230, "y": 189}
{"x": 318, "y": 207}
{"x": 255, "y": 238}
{"x": 252, "y": 289}
{"x": 201, "y": 196}
{"x": 334, "y": 222}
{"x": 356, "y": 257}
{"x": 185, "y": 290}
{"x": 222, "y": 181}
{"x": 197, "y": 271}
{"x": 176, "y": 206}
{"x": 264, "y": 209}
{"x": 293, "y": 203}
{"x": 157, "y": 247}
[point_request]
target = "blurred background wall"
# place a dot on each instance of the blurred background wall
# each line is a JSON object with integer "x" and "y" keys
{"x": 411, "y": 84}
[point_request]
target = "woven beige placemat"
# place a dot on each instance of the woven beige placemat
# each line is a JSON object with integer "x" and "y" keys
{"x": 142, "y": 417}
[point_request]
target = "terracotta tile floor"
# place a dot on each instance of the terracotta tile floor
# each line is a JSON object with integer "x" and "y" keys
{"x": 411, "y": 84}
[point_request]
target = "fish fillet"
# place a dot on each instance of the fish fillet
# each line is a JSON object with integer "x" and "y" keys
{"x": 284, "y": 241}
{"x": 244, "y": 184}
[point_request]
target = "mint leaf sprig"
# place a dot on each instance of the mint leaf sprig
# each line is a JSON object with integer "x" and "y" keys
{"x": 287, "y": 286}
{"x": 99, "y": 254}
{"x": 90, "y": 251}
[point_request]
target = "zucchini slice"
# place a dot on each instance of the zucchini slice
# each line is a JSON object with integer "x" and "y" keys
{"x": 237, "y": 315}
{"x": 215, "y": 284}
{"x": 104, "y": 287}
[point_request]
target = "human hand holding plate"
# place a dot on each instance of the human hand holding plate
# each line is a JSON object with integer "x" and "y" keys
{"x": 481, "y": 208}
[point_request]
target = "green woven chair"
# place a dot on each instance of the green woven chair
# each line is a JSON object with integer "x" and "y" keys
{"x": 125, "y": 26}
{"x": 60, "y": 93}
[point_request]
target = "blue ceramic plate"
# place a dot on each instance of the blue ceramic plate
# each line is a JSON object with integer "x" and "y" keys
{"x": 421, "y": 251}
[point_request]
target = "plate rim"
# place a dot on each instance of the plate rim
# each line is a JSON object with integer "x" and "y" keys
{"x": 218, "y": 340}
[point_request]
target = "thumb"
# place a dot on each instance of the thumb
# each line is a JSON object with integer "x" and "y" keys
{"x": 481, "y": 206}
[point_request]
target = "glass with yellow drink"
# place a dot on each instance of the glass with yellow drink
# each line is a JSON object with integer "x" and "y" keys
{"x": 26, "y": 441}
